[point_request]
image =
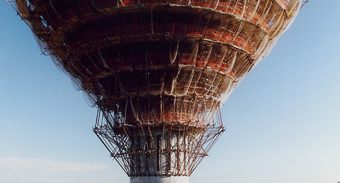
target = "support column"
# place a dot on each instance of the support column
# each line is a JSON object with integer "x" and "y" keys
{"x": 160, "y": 179}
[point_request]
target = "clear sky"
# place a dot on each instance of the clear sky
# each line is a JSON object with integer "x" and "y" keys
{"x": 283, "y": 120}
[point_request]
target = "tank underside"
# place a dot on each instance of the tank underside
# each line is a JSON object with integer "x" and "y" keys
{"x": 158, "y": 71}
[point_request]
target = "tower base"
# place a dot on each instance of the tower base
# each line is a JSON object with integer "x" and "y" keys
{"x": 160, "y": 179}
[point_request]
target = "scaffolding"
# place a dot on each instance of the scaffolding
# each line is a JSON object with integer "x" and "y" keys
{"x": 158, "y": 70}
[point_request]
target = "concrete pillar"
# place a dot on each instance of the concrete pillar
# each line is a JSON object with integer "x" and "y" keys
{"x": 160, "y": 179}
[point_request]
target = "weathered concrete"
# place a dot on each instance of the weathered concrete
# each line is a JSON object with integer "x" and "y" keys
{"x": 160, "y": 179}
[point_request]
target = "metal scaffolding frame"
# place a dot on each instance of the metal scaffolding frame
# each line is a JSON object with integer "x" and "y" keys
{"x": 158, "y": 70}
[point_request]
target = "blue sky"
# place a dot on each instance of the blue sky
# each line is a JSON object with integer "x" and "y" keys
{"x": 283, "y": 120}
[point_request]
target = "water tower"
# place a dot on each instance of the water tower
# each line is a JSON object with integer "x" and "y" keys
{"x": 157, "y": 70}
